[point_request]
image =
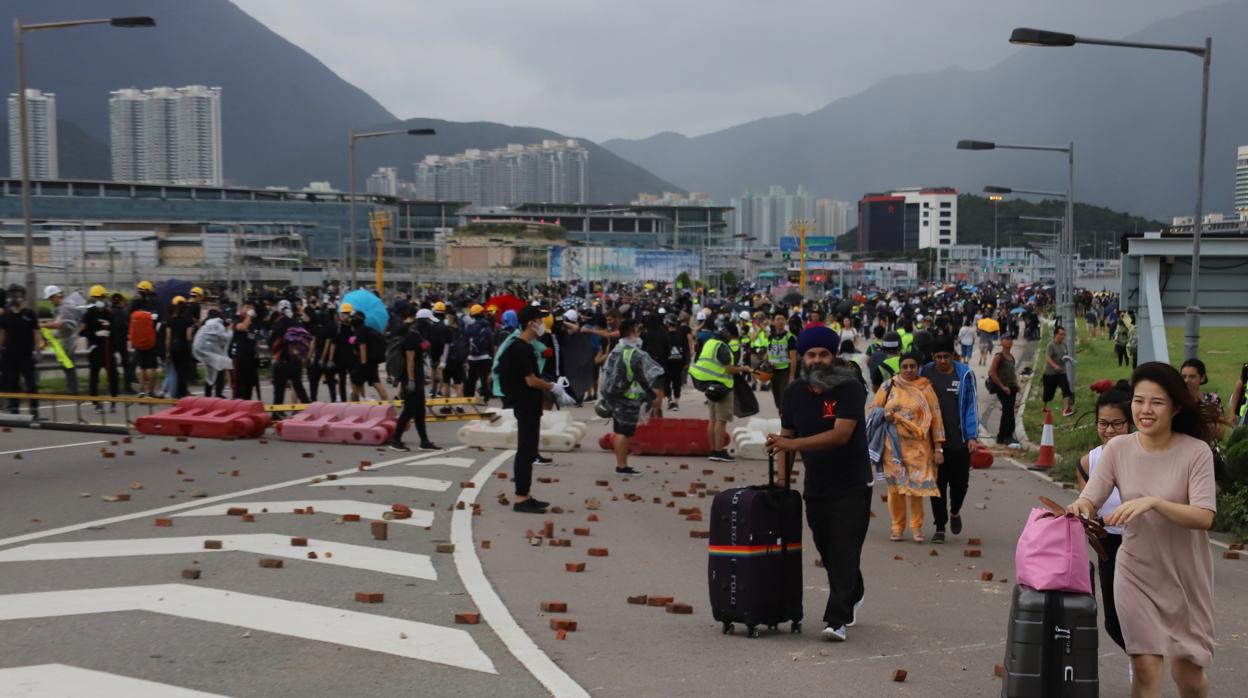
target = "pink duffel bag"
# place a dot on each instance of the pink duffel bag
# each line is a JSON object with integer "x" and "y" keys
{"x": 1052, "y": 554}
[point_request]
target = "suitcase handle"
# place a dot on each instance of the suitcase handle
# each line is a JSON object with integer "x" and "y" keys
{"x": 771, "y": 470}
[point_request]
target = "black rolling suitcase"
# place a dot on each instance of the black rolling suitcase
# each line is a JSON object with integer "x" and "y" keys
{"x": 1050, "y": 647}
{"x": 755, "y": 551}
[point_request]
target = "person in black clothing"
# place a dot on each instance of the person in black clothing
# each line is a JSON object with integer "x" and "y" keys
{"x": 243, "y": 351}
{"x": 287, "y": 367}
{"x": 522, "y": 388}
{"x": 824, "y": 419}
{"x": 97, "y": 327}
{"x": 676, "y": 358}
{"x": 320, "y": 322}
{"x": 412, "y": 385}
{"x": 340, "y": 355}
{"x": 369, "y": 347}
{"x": 178, "y": 334}
{"x": 480, "y": 354}
{"x": 19, "y": 340}
{"x": 438, "y": 336}
{"x": 121, "y": 353}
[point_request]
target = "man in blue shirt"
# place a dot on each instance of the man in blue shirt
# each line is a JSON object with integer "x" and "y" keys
{"x": 954, "y": 383}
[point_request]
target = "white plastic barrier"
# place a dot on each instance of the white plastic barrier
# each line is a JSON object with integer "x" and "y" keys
{"x": 750, "y": 442}
{"x": 558, "y": 433}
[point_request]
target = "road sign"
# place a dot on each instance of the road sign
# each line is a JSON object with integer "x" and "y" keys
{"x": 790, "y": 244}
{"x": 820, "y": 244}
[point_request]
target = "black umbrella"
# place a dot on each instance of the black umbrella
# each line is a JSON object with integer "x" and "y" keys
{"x": 166, "y": 290}
{"x": 793, "y": 298}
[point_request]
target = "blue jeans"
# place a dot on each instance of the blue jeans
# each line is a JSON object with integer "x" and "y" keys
{"x": 170, "y": 386}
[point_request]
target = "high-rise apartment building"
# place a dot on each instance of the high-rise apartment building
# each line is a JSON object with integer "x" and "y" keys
{"x": 767, "y": 217}
{"x": 554, "y": 171}
{"x": 167, "y": 135}
{"x": 1241, "y": 179}
{"x": 832, "y": 217}
{"x": 384, "y": 181}
{"x": 41, "y": 135}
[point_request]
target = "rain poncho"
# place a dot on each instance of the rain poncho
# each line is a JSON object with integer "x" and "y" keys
{"x": 211, "y": 348}
{"x": 617, "y": 378}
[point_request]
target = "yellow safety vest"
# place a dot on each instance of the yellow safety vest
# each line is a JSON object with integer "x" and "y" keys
{"x": 778, "y": 351}
{"x": 893, "y": 363}
{"x": 61, "y": 357}
{"x": 907, "y": 339}
{"x": 707, "y": 368}
{"x": 634, "y": 388}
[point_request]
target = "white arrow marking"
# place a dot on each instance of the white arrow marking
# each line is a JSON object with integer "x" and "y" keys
{"x": 366, "y": 631}
{"x": 47, "y": 448}
{"x": 452, "y": 462}
{"x": 415, "y": 483}
{"x": 367, "y": 510}
{"x": 344, "y": 555}
{"x": 64, "y": 681}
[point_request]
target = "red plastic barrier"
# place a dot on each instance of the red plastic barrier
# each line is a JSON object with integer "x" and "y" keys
{"x": 671, "y": 437}
{"x": 340, "y": 423}
{"x": 207, "y": 418}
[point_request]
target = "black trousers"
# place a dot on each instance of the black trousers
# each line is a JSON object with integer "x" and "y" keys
{"x": 478, "y": 378}
{"x": 673, "y": 377}
{"x": 838, "y": 524}
{"x": 12, "y": 373}
{"x": 215, "y": 388}
{"x": 246, "y": 379}
{"x": 183, "y": 364}
{"x": 99, "y": 358}
{"x": 125, "y": 361}
{"x": 779, "y": 381}
{"x": 953, "y": 478}
{"x": 1005, "y": 431}
{"x": 413, "y": 410}
{"x": 1111, "y": 542}
{"x": 315, "y": 372}
{"x": 529, "y": 432}
{"x": 288, "y": 372}
{"x": 1120, "y": 350}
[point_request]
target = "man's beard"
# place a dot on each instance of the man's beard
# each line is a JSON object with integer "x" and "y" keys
{"x": 823, "y": 377}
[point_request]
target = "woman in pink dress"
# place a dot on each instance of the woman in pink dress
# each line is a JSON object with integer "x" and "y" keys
{"x": 1163, "y": 583}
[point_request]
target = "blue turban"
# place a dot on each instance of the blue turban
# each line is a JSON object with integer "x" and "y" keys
{"x": 818, "y": 337}
{"x": 510, "y": 320}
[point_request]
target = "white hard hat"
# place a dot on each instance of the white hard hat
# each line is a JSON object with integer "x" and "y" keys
{"x": 425, "y": 314}
{"x": 745, "y": 315}
{"x": 571, "y": 316}
{"x": 49, "y": 291}
{"x": 701, "y": 315}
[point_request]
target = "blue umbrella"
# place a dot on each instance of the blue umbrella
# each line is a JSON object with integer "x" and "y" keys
{"x": 1017, "y": 311}
{"x": 375, "y": 314}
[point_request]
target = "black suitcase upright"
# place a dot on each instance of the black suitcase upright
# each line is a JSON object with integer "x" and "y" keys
{"x": 1050, "y": 646}
{"x": 755, "y": 556}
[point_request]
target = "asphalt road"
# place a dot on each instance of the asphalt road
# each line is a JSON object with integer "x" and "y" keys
{"x": 93, "y": 586}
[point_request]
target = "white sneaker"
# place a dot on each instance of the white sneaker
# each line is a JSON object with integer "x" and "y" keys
{"x": 832, "y": 634}
{"x": 854, "y": 621}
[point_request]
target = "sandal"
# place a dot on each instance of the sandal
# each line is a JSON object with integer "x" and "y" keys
{"x": 917, "y": 536}
{"x": 895, "y": 536}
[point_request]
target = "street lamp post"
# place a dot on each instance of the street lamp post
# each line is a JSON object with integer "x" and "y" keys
{"x": 352, "y": 137}
{"x": 1026, "y": 36}
{"x": 19, "y": 37}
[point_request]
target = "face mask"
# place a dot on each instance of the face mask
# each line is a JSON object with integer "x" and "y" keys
{"x": 539, "y": 329}
{"x": 99, "y": 304}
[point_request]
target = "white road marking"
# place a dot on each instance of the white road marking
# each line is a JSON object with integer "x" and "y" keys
{"x": 492, "y": 608}
{"x": 200, "y": 502}
{"x": 64, "y": 681}
{"x": 366, "y": 510}
{"x": 366, "y": 631}
{"x": 415, "y": 483}
{"x": 344, "y": 555}
{"x": 452, "y": 462}
{"x": 48, "y": 448}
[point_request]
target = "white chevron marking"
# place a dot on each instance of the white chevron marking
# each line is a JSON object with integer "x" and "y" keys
{"x": 367, "y": 510}
{"x": 366, "y": 631}
{"x": 415, "y": 483}
{"x": 64, "y": 681}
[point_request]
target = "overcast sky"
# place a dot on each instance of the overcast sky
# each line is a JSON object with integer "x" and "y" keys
{"x": 602, "y": 69}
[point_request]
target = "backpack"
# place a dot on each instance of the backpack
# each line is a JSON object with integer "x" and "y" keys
{"x": 142, "y": 330}
{"x": 396, "y": 359}
{"x": 478, "y": 339}
{"x": 459, "y": 346}
{"x": 297, "y": 343}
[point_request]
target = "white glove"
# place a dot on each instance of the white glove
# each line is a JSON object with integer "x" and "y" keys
{"x": 563, "y": 382}
{"x": 561, "y": 396}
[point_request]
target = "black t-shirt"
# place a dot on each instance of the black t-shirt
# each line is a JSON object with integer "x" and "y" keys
{"x": 946, "y": 386}
{"x": 517, "y": 363}
{"x": 412, "y": 341}
{"x": 809, "y": 413}
{"x": 19, "y": 340}
{"x": 344, "y": 350}
{"x": 178, "y": 327}
{"x": 243, "y": 345}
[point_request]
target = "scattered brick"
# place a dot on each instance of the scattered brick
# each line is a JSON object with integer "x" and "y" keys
{"x": 544, "y": 480}
{"x": 602, "y": 483}
{"x": 574, "y": 566}
{"x": 580, "y": 531}
{"x": 369, "y": 597}
{"x": 708, "y": 471}
{"x": 401, "y": 508}
{"x": 190, "y": 573}
{"x": 699, "y": 534}
{"x": 446, "y": 547}
{"x": 883, "y": 498}
{"x": 561, "y": 634}
{"x": 212, "y": 545}
{"x": 678, "y": 493}
{"x": 485, "y": 545}
{"x": 898, "y": 557}
{"x": 657, "y": 500}
{"x": 998, "y": 670}
{"x": 1230, "y": 555}
{"x": 598, "y": 552}
{"x": 684, "y": 466}
{"x": 554, "y": 607}
{"x": 729, "y": 478}
{"x": 565, "y": 624}
{"x": 466, "y": 484}
{"x": 312, "y": 555}
{"x": 467, "y": 618}
{"x": 309, "y": 455}
{"x": 972, "y": 552}
{"x": 350, "y": 517}
{"x": 932, "y": 553}
{"x": 679, "y": 608}
{"x": 114, "y": 497}
{"x": 639, "y": 600}
{"x": 548, "y": 529}
{"x": 164, "y": 523}
{"x": 248, "y": 518}
{"x": 693, "y": 517}
{"x": 181, "y": 439}
{"x": 459, "y": 505}
{"x": 985, "y": 576}
{"x": 270, "y": 563}
{"x": 819, "y": 562}
{"x": 1237, "y": 546}
{"x": 899, "y": 675}
{"x": 974, "y": 542}
{"x": 129, "y": 453}
{"x": 236, "y": 511}
{"x": 659, "y": 600}
{"x": 380, "y": 530}
{"x": 592, "y": 518}
{"x": 299, "y": 542}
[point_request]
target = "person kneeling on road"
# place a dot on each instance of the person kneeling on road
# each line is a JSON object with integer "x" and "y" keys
{"x": 823, "y": 418}
{"x": 631, "y": 378}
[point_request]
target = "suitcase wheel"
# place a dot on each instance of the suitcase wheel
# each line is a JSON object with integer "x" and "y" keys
{"x": 752, "y": 632}
{"x": 773, "y": 628}
{"x": 795, "y": 627}
{"x": 727, "y": 628}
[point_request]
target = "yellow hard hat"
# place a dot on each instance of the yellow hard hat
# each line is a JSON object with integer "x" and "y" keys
{"x": 197, "y": 291}
{"x": 97, "y": 291}
{"x": 146, "y": 286}
{"x": 491, "y": 308}
{"x": 178, "y": 299}
{"x": 476, "y": 309}
{"x": 439, "y": 307}
{"x": 346, "y": 309}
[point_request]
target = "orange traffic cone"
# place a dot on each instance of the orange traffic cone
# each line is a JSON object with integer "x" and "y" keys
{"x": 1044, "y": 459}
